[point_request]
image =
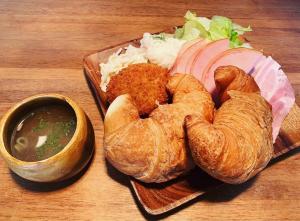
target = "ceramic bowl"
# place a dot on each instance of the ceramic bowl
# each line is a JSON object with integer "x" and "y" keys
{"x": 66, "y": 163}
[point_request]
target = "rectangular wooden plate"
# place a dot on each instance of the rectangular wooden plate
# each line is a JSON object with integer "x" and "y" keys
{"x": 159, "y": 198}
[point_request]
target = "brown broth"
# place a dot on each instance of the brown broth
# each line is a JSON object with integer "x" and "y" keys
{"x": 43, "y": 132}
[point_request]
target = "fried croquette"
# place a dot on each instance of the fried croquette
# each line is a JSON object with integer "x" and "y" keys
{"x": 146, "y": 84}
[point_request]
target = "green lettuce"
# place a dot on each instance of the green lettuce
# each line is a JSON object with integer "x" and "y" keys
{"x": 218, "y": 27}
{"x": 192, "y": 28}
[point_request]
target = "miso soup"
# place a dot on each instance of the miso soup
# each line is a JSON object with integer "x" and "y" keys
{"x": 43, "y": 132}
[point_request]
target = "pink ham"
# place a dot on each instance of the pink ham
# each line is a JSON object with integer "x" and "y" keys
{"x": 272, "y": 81}
{"x": 184, "y": 47}
{"x": 276, "y": 89}
{"x": 187, "y": 53}
{"x": 243, "y": 58}
{"x": 205, "y": 56}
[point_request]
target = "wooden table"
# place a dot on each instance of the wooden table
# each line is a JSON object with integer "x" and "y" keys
{"x": 42, "y": 44}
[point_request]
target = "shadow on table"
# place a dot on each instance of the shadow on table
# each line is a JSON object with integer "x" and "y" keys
{"x": 116, "y": 175}
{"x": 284, "y": 156}
{"x": 223, "y": 193}
{"x": 52, "y": 186}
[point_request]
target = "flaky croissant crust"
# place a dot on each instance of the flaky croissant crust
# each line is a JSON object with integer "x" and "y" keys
{"x": 238, "y": 144}
{"x": 154, "y": 149}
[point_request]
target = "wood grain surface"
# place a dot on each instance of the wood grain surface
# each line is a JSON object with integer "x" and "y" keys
{"x": 42, "y": 45}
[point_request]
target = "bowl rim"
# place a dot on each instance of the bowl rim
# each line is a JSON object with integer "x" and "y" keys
{"x": 79, "y": 114}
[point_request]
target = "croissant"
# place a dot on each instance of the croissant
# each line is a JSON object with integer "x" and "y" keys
{"x": 233, "y": 78}
{"x": 238, "y": 144}
{"x": 154, "y": 149}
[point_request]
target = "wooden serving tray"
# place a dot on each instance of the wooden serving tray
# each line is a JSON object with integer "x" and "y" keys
{"x": 159, "y": 198}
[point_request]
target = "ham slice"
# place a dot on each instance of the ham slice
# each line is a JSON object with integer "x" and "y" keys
{"x": 245, "y": 59}
{"x": 185, "y": 47}
{"x": 276, "y": 89}
{"x": 205, "y": 55}
{"x": 186, "y": 55}
{"x": 272, "y": 81}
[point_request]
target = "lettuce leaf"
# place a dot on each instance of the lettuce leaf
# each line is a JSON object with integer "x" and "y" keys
{"x": 205, "y": 22}
{"x": 219, "y": 27}
{"x": 192, "y": 28}
{"x": 241, "y": 30}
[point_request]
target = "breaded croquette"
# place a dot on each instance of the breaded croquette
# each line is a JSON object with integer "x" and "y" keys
{"x": 146, "y": 84}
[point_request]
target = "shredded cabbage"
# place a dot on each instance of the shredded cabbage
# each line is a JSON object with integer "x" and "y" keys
{"x": 161, "y": 49}
{"x": 218, "y": 27}
{"x": 118, "y": 61}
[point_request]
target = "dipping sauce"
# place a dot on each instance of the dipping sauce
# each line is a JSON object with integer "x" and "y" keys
{"x": 43, "y": 132}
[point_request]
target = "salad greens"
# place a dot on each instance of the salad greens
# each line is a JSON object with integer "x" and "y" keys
{"x": 218, "y": 27}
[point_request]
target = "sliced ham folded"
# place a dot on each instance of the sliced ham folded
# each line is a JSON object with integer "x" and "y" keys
{"x": 186, "y": 55}
{"x": 201, "y": 58}
{"x": 206, "y": 55}
{"x": 236, "y": 57}
{"x": 195, "y": 56}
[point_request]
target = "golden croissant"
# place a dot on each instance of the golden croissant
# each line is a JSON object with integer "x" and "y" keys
{"x": 154, "y": 149}
{"x": 233, "y": 78}
{"x": 238, "y": 144}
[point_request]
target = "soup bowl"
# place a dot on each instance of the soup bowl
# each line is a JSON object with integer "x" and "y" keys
{"x": 64, "y": 164}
